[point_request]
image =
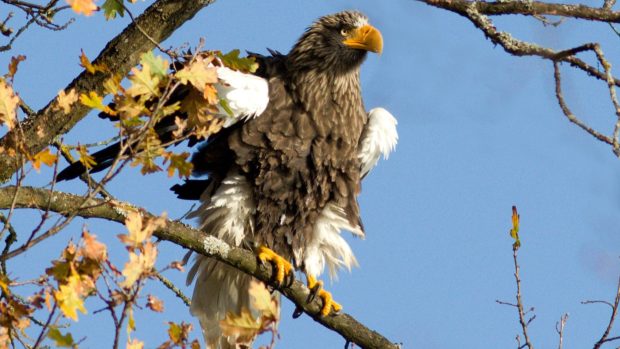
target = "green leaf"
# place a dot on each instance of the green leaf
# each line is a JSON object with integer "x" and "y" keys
{"x": 158, "y": 65}
{"x": 233, "y": 61}
{"x": 113, "y": 7}
{"x": 62, "y": 341}
{"x": 224, "y": 104}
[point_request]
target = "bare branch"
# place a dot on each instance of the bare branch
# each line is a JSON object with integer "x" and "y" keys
{"x": 196, "y": 240}
{"x": 522, "y": 321}
{"x": 612, "y": 318}
{"x": 559, "y": 328}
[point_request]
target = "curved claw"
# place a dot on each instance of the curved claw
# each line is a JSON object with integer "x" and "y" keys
{"x": 282, "y": 266}
{"x": 316, "y": 288}
{"x": 298, "y": 311}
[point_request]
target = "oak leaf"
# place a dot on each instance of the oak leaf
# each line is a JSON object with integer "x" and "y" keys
{"x": 135, "y": 344}
{"x": 60, "y": 340}
{"x": 92, "y": 67}
{"x": 8, "y": 105}
{"x": 242, "y": 328}
{"x": 13, "y": 65}
{"x": 87, "y": 7}
{"x": 198, "y": 73}
{"x": 45, "y": 156}
{"x": 70, "y": 297}
{"x": 92, "y": 248}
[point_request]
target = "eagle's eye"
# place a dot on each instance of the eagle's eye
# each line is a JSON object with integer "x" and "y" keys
{"x": 344, "y": 32}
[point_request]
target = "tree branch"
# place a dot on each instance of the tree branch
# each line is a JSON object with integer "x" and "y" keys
{"x": 531, "y": 8}
{"x": 196, "y": 240}
{"x": 123, "y": 52}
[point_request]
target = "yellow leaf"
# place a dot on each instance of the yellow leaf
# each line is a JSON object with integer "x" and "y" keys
{"x": 140, "y": 232}
{"x": 69, "y": 297}
{"x": 93, "y": 100}
{"x": 241, "y": 328}
{"x": 90, "y": 67}
{"x": 263, "y": 301}
{"x": 65, "y": 101}
{"x": 83, "y": 6}
{"x": 85, "y": 158}
{"x": 8, "y": 105}
{"x": 139, "y": 265}
{"x": 44, "y": 156}
{"x": 198, "y": 73}
{"x": 143, "y": 82}
{"x": 131, "y": 322}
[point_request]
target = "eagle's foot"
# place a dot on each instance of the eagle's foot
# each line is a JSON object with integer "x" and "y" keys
{"x": 283, "y": 268}
{"x": 316, "y": 288}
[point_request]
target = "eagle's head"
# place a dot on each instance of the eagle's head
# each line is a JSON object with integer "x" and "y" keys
{"x": 337, "y": 42}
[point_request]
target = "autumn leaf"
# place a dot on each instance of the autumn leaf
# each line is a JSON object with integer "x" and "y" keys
{"x": 69, "y": 297}
{"x": 92, "y": 248}
{"x": 181, "y": 125}
{"x": 140, "y": 231}
{"x": 233, "y": 61}
{"x": 90, "y": 67}
{"x": 65, "y": 101}
{"x": 113, "y": 7}
{"x": 263, "y": 301}
{"x": 93, "y": 100}
{"x": 13, "y": 66}
{"x": 113, "y": 84}
{"x": 143, "y": 82}
{"x": 86, "y": 159}
{"x": 139, "y": 264}
{"x": 242, "y": 328}
{"x": 154, "y": 303}
{"x": 157, "y": 64}
{"x": 135, "y": 344}
{"x": 60, "y": 340}
{"x": 198, "y": 73}
{"x": 178, "y": 162}
{"x": 210, "y": 94}
{"x": 514, "y": 231}
{"x": 83, "y": 6}
{"x": 8, "y": 105}
{"x": 45, "y": 156}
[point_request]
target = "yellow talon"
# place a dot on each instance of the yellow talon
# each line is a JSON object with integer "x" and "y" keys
{"x": 283, "y": 267}
{"x": 329, "y": 304}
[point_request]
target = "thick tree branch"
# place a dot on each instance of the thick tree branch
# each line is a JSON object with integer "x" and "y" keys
{"x": 159, "y": 21}
{"x": 531, "y": 8}
{"x": 185, "y": 236}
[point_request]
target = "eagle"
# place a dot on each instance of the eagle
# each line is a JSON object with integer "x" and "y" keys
{"x": 284, "y": 174}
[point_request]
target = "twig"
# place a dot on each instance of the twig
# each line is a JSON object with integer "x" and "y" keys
{"x": 612, "y": 318}
{"x": 522, "y": 321}
{"x": 172, "y": 287}
{"x": 559, "y": 328}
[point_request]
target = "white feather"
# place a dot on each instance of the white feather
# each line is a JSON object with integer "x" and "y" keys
{"x": 220, "y": 288}
{"x": 247, "y": 95}
{"x": 379, "y": 137}
{"x": 326, "y": 245}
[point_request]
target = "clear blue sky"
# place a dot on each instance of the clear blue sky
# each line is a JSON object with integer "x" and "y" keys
{"x": 480, "y": 131}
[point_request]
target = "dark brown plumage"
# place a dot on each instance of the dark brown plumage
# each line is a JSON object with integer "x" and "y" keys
{"x": 301, "y": 153}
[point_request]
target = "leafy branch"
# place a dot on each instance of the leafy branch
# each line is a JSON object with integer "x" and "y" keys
{"x": 185, "y": 236}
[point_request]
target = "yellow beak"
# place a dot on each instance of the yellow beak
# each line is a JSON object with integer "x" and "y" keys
{"x": 366, "y": 38}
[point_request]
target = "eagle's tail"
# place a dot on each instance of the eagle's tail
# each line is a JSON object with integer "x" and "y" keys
{"x": 219, "y": 289}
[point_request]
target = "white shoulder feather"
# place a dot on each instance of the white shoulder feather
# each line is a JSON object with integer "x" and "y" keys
{"x": 247, "y": 95}
{"x": 379, "y": 137}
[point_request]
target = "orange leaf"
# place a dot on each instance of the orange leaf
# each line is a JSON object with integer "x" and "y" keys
{"x": 13, "y": 65}
{"x": 154, "y": 303}
{"x": 90, "y": 67}
{"x": 83, "y": 6}
{"x": 44, "y": 156}
{"x": 92, "y": 248}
